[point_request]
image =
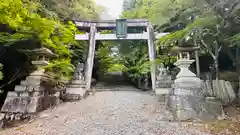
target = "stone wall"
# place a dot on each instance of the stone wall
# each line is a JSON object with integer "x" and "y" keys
{"x": 33, "y": 95}
{"x": 222, "y": 90}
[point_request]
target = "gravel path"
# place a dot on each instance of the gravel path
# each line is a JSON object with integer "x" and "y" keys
{"x": 105, "y": 113}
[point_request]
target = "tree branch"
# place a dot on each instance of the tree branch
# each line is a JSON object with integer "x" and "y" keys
{"x": 208, "y": 49}
{"x": 233, "y": 6}
{"x": 219, "y": 49}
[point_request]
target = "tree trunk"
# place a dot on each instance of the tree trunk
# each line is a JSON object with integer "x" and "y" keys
{"x": 216, "y": 61}
{"x": 197, "y": 58}
{"x": 216, "y": 68}
{"x": 237, "y": 62}
{"x": 197, "y": 63}
{"x": 146, "y": 82}
{"x": 139, "y": 82}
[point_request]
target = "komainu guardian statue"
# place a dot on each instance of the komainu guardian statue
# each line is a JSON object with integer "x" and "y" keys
{"x": 78, "y": 74}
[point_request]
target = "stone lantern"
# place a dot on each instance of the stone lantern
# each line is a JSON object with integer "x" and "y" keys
{"x": 42, "y": 58}
{"x": 184, "y": 61}
{"x": 34, "y": 94}
{"x": 187, "y": 99}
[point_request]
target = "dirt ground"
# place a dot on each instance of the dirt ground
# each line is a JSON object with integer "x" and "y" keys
{"x": 230, "y": 125}
{"x": 105, "y": 113}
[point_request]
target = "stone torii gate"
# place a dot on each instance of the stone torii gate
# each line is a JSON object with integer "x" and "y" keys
{"x": 92, "y": 34}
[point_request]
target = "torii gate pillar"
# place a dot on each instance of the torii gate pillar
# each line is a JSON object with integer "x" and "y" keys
{"x": 90, "y": 56}
{"x": 152, "y": 54}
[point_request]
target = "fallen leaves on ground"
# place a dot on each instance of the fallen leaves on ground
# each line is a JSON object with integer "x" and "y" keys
{"x": 229, "y": 126}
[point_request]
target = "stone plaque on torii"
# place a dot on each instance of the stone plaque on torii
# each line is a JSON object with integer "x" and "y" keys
{"x": 92, "y": 34}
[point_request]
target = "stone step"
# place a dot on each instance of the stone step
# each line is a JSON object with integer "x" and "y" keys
{"x": 78, "y": 82}
{"x": 99, "y": 90}
{"x": 75, "y": 86}
{"x": 30, "y": 81}
{"x": 114, "y": 88}
{"x": 25, "y": 105}
{"x": 24, "y": 83}
{"x": 24, "y": 94}
{"x": 22, "y": 88}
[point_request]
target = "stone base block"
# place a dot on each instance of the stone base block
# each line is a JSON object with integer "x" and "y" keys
{"x": 80, "y": 82}
{"x": 25, "y": 94}
{"x": 73, "y": 94}
{"x": 12, "y": 113}
{"x": 161, "y": 91}
{"x": 15, "y": 104}
{"x": 76, "y": 86}
{"x": 188, "y": 82}
{"x": 162, "y": 98}
{"x": 28, "y": 104}
{"x": 162, "y": 94}
{"x": 164, "y": 83}
{"x": 72, "y": 97}
{"x": 193, "y": 107}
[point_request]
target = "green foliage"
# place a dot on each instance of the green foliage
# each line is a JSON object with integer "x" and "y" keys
{"x": 131, "y": 58}
{"x": 1, "y": 74}
{"x": 73, "y": 9}
{"x": 136, "y": 59}
{"x": 79, "y": 51}
{"x": 62, "y": 68}
{"x": 211, "y": 24}
{"x": 40, "y": 21}
{"x": 200, "y": 25}
{"x": 116, "y": 67}
{"x": 158, "y": 12}
{"x": 106, "y": 60}
{"x": 213, "y": 28}
{"x": 235, "y": 40}
{"x": 52, "y": 34}
{"x": 9, "y": 39}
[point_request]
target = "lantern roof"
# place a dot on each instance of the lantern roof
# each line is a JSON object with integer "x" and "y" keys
{"x": 184, "y": 48}
{"x": 175, "y": 50}
{"x": 41, "y": 51}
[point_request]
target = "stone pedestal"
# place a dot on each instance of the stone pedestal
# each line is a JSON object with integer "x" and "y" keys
{"x": 31, "y": 96}
{"x": 187, "y": 98}
{"x": 34, "y": 94}
{"x": 163, "y": 83}
{"x": 76, "y": 89}
{"x": 163, "y": 86}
